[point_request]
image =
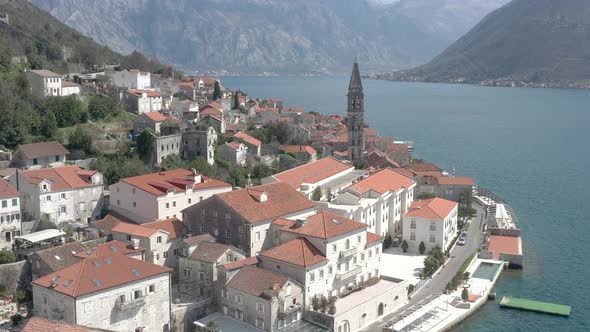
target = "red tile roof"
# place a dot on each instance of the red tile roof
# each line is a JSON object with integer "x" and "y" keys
{"x": 159, "y": 183}
{"x": 155, "y": 116}
{"x": 281, "y": 200}
{"x": 313, "y": 172}
{"x": 455, "y": 180}
{"x": 382, "y": 181}
{"x": 149, "y": 93}
{"x": 373, "y": 238}
{"x": 135, "y": 230}
{"x": 505, "y": 245}
{"x": 197, "y": 239}
{"x": 326, "y": 225}
{"x": 61, "y": 178}
{"x": 110, "y": 221}
{"x": 299, "y": 148}
{"x": 433, "y": 208}
{"x": 175, "y": 227}
{"x": 38, "y": 324}
{"x": 44, "y": 73}
{"x": 97, "y": 274}
{"x": 298, "y": 252}
{"x": 7, "y": 191}
{"x": 424, "y": 169}
{"x": 241, "y": 263}
{"x": 234, "y": 145}
{"x": 255, "y": 281}
{"x": 43, "y": 149}
{"x": 108, "y": 249}
{"x": 247, "y": 138}
{"x": 281, "y": 222}
{"x": 210, "y": 251}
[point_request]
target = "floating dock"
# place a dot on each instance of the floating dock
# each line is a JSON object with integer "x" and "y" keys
{"x": 536, "y": 306}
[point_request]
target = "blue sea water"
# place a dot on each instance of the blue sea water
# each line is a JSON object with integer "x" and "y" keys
{"x": 530, "y": 146}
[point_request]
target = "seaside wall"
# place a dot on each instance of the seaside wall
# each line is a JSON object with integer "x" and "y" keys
{"x": 505, "y": 232}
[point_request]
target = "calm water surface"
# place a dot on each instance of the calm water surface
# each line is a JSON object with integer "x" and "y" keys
{"x": 530, "y": 146}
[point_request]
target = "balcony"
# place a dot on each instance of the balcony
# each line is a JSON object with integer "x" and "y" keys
{"x": 342, "y": 277}
{"x": 348, "y": 253}
{"x": 285, "y": 312}
{"x": 130, "y": 304}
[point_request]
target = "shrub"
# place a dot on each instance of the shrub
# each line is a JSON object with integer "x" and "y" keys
{"x": 315, "y": 302}
{"x": 317, "y": 194}
{"x": 332, "y": 305}
{"x": 405, "y": 246}
{"x": 465, "y": 294}
{"x": 7, "y": 256}
{"x": 422, "y": 248}
{"x": 387, "y": 242}
{"x": 324, "y": 304}
{"x": 16, "y": 319}
{"x": 410, "y": 289}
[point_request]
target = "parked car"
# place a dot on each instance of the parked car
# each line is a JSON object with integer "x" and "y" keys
{"x": 462, "y": 239}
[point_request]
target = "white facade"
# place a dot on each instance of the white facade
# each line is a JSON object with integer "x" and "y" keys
{"x": 10, "y": 220}
{"x": 70, "y": 89}
{"x": 142, "y": 206}
{"x": 159, "y": 249}
{"x": 131, "y": 79}
{"x": 123, "y": 308}
{"x": 44, "y": 83}
{"x": 42, "y": 201}
{"x": 234, "y": 153}
{"x": 143, "y": 101}
{"x": 432, "y": 231}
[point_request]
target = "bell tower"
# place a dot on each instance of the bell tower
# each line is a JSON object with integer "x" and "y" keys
{"x": 355, "y": 120}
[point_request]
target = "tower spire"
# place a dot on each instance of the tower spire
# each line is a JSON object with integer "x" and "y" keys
{"x": 355, "y": 77}
{"x": 355, "y": 118}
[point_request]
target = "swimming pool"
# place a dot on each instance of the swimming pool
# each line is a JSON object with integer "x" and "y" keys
{"x": 486, "y": 270}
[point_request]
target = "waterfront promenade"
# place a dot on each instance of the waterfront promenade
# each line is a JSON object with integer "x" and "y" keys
{"x": 439, "y": 281}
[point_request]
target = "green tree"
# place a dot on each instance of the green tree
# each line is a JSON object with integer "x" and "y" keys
{"x": 171, "y": 162}
{"x": 410, "y": 289}
{"x": 7, "y": 256}
{"x": 102, "y": 107}
{"x": 68, "y": 110}
{"x": 279, "y": 131}
{"x": 202, "y": 166}
{"x": 16, "y": 318}
{"x": 80, "y": 139}
{"x": 405, "y": 246}
{"x": 422, "y": 248}
{"x": 324, "y": 304}
{"x": 115, "y": 167}
{"x": 216, "y": 91}
{"x": 332, "y": 305}
{"x": 261, "y": 171}
{"x": 317, "y": 194}
{"x": 145, "y": 142}
{"x": 387, "y": 242}
{"x": 236, "y": 104}
{"x": 48, "y": 126}
{"x": 315, "y": 303}
{"x": 211, "y": 326}
{"x": 465, "y": 294}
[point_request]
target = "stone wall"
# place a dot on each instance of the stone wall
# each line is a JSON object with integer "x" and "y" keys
{"x": 13, "y": 274}
{"x": 505, "y": 232}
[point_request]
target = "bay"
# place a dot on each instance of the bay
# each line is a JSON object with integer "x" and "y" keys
{"x": 529, "y": 146}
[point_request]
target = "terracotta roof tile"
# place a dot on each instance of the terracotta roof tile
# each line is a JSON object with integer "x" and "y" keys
{"x": 241, "y": 263}
{"x": 454, "y": 180}
{"x": 7, "y": 191}
{"x": 97, "y": 274}
{"x": 43, "y": 149}
{"x": 110, "y": 221}
{"x": 175, "y": 227}
{"x": 209, "y": 251}
{"x": 326, "y": 225}
{"x": 44, "y": 73}
{"x": 38, "y": 324}
{"x": 247, "y": 138}
{"x": 234, "y": 145}
{"x": 284, "y": 222}
{"x": 505, "y": 245}
{"x": 108, "y": 249}
{"x": 149, "y": 93}
{"x": 373, "y": 238}
{"x": 299, "y": 148}
{"x": 382, "y": 181}
{"x": 135, "y": 230}
{"x": 433, "y": 208}
{"x": 158, "y": 183}
{"x": 197, "y": 239}
{"x": 298, "y": 252}
{"x": 155, "y": 116}
{"x": 255, "y": 281}
{"x": 61, "y": 178}
{"x": 281, "y": 200}
{"x": 60, "y": 257}
{"x": 313, "y": 172}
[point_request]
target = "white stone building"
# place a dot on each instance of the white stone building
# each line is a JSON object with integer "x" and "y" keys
{"x": 379, "y": 201}
{"x": 131, "y": 79}
{"x": 431, "y": 221}
{"x": 10, "y": 214}
{"x": 59, "y": 194}
{"x": 151, "y": 120}
{"x": 70, "y": 88}
{"x": 143, "y": 101}
{"x": 113, "y": 292}
{"x": 234, "y": 153}
{"x": 162, "y": 195}
{"x": 44, "y": 83}
{"x": 36, "y": 155}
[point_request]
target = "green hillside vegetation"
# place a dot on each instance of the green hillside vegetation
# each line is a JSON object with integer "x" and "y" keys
{"x": 537, "y": 41}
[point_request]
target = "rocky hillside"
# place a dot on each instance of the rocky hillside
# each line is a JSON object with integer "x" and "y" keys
{"x": 275, "y": 35}
{"x": 527, "y": 42}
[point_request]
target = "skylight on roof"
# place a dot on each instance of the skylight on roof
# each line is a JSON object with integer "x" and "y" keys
{"x": 96, "y": 282}
{"x": 336, "y": 221}
{"x": 135, "y": 272}
{"x": 108, "y": 260}
{"x": 96, "y": 263}
{"x": 68, "y": 282}
{"x": 113, "y": 248}
{"x": 57, "y": 257}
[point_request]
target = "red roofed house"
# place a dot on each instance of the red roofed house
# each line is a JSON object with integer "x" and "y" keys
{"x": 113, "y": 292}
{"x": 329, "y": 174}
{"x": 252, "y": 143}
{"x": 143, "y": 101}
{"x": 303, "y": 153}
{"x": 379, "y": 201}
{"x": 59, "y": 194}
{"x": 233, "y": 152}
{"x": 330, "y": 255}
{"x": 507, "y": 247}
{"x": 152, "y": 120}
{"x": 38, "y": 324}
{"x": 242, "y": 217}
{"x": 44, "y": 83}
{"x": 432, "y": 221}
{"x": 160, "y": 238}
{"x": 262, "y": 298}
{"x": 41, "y": 154}
{"x": 10, "y": 214}
{"x": 454, "y": 188}
{"x": 162, "y": 195}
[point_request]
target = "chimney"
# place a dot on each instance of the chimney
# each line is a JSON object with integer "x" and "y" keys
{"x": 196, "y": 176}
{"x": 301, "y": 222}
{"x": 135, "y": 243}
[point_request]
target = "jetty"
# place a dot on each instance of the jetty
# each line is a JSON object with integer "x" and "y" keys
{"x": 536, "y": 306}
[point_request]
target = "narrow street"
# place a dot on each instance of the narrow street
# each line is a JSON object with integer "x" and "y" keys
{"x": 439, "y": 281}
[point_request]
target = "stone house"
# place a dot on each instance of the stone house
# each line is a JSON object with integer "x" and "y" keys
{"x": 143, "y": 101}
{"x": 151, "y": 120}
{"x": 44, "y": 83}
{"x": 432, "y": 222}
{"x": 233, "y": 152}
{"x": 36, "y": 155}
{"x": 10, "y": 214}
{"x": 253, "y": 144}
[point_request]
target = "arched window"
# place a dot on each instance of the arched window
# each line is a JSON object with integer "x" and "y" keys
{"x": 347, "y": 244}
